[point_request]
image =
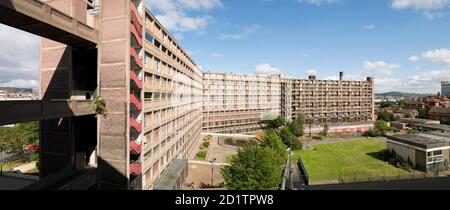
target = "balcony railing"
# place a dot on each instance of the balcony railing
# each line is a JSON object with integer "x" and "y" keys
{"x": 135, "y": 101}
{"x": 135, "y": 168}
{"x": 136, "y": 81}
{"x": 135, "y": 55}
{"x": 134, "y": 124}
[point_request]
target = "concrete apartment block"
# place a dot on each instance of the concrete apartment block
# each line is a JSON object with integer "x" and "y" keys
{"x": 234, "y": 103}
{"x": 334, "y": 101}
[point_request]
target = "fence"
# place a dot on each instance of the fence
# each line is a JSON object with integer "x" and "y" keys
{"x": 400, "y": 177}
{"x": 303, "y": 172}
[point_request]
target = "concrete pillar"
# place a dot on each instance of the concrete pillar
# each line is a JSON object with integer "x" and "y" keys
{"x": 114, "y": 65}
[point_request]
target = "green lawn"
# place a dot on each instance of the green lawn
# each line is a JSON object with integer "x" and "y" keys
{"x": 349, "y": 159}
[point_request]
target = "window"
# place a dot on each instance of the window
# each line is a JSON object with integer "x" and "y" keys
{"x": 149, "y": 37}
{"x": 435, "y": 157}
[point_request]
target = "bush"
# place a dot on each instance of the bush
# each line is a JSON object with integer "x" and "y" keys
{"x": 372, "y": 133}
{"x": 201, "y": 155}
{"x": 205, "y": 144}
{"x": 320, "y": 137}
{"x": 391, "y": 157}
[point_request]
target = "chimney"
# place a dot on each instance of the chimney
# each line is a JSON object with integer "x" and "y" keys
{"x": 341, "y": 75}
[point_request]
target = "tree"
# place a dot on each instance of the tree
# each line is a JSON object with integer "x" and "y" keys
{"x": 407, "y": 115}
{"x": 272, "y": 124}
{"x": 254, "y": 168}
{"x": 402, "y": 104}
{"x": 289, "y": 139}
{"x": 273, "y": 140}
{"x": 382, "y": 126}
{"x": 297, "y": 126}
{"x": 15, "y": 139}
{"x": 324, "y": 132}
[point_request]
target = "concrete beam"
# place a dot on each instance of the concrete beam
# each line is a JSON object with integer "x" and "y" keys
{"x": 39, "y": 18}
{"x": 26, "y": 111}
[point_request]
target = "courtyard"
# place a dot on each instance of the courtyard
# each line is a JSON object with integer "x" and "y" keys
{"x": 355, "y": 159}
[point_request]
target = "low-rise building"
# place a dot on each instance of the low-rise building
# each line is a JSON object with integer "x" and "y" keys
{"x": 426, "y": 151}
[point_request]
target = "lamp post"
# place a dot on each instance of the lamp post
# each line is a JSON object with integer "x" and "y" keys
{"x": 212, "y": 171}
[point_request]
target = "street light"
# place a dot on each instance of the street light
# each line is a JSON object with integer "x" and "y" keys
{"x": 212, "y": 171}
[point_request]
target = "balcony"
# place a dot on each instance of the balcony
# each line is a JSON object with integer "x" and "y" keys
{"x": 136, "y": 60}
{"x": 137, "y": 41}
{"x": 135, "y": 168}
{"x": 135, "y": 125}
{"x": 135, "y": 148}
{"x": 136, "y": 18}
{"x": 136, "y": 81}
{"x": 135, "y": 102}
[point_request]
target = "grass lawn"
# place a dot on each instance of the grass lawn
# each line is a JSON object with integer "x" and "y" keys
{"x": 349, "y": 159}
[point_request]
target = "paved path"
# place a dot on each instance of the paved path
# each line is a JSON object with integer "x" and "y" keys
{"x": 297, "y": 181}
{"x": 207, "y": 163}
{"x": 25, "y": 167}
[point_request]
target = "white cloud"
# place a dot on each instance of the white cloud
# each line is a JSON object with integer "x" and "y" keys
{"x": 173, "y": 13}
{"x": 429, "y": 8}
{"x": 319, "y": 2}
{"x": 215, "y": 55}
{"x": 267, "y": 69}
{"x": 241, "y": 35}
{"x": 413, "y": 58}
{"x": 369, "y": 27}
{"x": 424, "y": 82}
{"x": 419, "y": 4}
{"x": 19, "y": 56}
{"x": 21, "y": 83}
{"x": 311, "y": 72}
{"x": 380, "y": 66}
{"x": 440, "y": 56}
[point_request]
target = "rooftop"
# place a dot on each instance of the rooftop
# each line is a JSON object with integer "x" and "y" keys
{"x": 425, "y": 141}
{"x": 439, "y": 127}
{"x": 168, "y": 180}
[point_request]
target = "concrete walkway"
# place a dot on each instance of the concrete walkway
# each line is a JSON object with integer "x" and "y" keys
{"x": 297, "y": 180}
{"x": 25, "y": 167}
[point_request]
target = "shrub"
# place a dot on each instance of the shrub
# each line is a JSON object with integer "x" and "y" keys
{"x": 205, "y": 144}
{"x": 201, "y": 155}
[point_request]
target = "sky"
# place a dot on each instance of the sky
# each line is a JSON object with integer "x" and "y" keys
{"x": 404, "y": 44}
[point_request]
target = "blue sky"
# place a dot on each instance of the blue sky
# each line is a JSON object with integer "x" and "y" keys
{"x": 402, "y": 43}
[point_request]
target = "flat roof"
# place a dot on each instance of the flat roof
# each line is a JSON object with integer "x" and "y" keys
{"x": 440, "y": 127}
{"x": 169, "y": 179}
{"x": 422, "y": 140}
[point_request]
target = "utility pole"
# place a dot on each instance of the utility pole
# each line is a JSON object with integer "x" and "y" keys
{"x": 212, "y": 171}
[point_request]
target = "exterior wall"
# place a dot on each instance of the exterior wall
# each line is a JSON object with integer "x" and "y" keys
{"x": 113, "y": 67}
{"x": 286, "y": 99}
{"x": 234, "y": 103}
{"x": 404, "y": 152}
{"x": 421, "y": 159}
{"x": 172, "y": 102}
{"x": 335, "y": 102}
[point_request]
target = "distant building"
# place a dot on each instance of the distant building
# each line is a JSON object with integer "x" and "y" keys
{"x": 427, "y": 103}
{"x": 445, "y": 88}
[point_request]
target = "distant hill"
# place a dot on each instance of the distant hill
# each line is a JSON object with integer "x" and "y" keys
{"x": 403, "y": 95}
{"x": 18, "y": 90}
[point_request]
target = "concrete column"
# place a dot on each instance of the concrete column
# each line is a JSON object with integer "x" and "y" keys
{"x": 114, "y": 81}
